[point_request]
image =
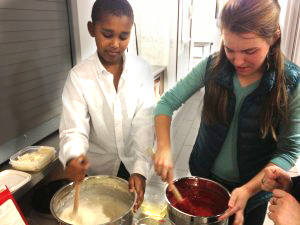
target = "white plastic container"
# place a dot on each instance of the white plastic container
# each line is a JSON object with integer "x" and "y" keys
{"x": 154, "y": 204}
{"x": 32, "y": 158}
{"x": 14, "y": 179}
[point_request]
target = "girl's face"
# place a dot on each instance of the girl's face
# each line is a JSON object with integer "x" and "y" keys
{"x": 246, "y": 52}
{"x": 112, "y": 35}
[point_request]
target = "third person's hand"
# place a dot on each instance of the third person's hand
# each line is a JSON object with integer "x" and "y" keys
{"x": 284, "y": 209}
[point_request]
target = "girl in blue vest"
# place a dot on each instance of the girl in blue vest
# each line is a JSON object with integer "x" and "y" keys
{"x": 251, "y": 110}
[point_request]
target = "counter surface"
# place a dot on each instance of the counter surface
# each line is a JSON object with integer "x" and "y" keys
{"x": 157, "y": 69}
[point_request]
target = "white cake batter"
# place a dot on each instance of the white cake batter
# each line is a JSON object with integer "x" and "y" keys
{"x": 99, "y": 210}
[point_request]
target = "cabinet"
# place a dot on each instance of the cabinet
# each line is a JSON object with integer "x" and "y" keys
{"x": 158, "y": 74}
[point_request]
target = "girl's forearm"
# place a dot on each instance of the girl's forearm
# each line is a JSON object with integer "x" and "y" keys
{"x": 254, "y": 185}
{"x": 162, "y": 128}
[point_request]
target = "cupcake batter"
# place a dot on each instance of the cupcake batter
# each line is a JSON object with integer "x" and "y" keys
{"x": 99, "y": 210}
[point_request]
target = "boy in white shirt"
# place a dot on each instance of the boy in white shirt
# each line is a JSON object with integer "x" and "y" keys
{"x": 108, "y": 103}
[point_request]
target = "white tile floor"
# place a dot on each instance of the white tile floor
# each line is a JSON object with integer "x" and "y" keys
{"x": 184, "y": 130}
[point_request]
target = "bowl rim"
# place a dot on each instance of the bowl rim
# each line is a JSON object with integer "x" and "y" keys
{"x": 88, "y": 178}
{"x": 204, "y": 218}
{"x": 148, "y": 217}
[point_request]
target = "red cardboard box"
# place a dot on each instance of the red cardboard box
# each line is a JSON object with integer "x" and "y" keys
{"x": 10, "y": 213}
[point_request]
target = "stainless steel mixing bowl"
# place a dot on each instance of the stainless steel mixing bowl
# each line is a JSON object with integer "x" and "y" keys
{"x": 210, "y": 195}
{"x": 91, "y": 187}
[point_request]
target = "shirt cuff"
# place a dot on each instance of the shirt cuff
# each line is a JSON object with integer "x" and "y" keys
{"x": 143, "y": 168}
{"x": 282, "y": 163}
{"x": 67, "y": 154}
{"x": 163, "y": 109}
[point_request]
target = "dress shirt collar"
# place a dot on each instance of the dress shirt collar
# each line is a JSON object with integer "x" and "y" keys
{"x": 103, "y": 70}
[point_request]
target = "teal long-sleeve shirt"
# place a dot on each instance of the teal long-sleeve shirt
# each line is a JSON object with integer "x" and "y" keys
{"x": 225, "y": 165}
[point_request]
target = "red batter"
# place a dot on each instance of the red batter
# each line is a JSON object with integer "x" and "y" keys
{"x": 205, "y": 199}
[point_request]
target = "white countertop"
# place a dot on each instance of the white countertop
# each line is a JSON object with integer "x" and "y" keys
{"x": 157, "y": 69}
{"x": 36, "y": 177}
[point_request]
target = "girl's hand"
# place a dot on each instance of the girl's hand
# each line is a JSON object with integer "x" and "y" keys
{"x": 275, "y": 178}
{"x": 76, "y": 168}
{"x": 236, "y": 205}
{"x": 284, "y": 208}
{"x": 163, "y": 165}
{"x": 137, "y": 183}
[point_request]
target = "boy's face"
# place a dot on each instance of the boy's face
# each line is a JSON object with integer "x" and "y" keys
{"x": 112, "y": 35}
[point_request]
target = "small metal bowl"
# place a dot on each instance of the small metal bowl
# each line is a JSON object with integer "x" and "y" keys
{"x": 151, "y": 221}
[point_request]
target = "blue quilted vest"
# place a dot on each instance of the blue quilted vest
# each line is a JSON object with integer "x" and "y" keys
{"x": 253, "y": 152}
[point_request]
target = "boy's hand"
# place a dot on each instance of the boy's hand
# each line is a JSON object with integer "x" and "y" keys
{"x": 137, "y": 183}
{"x": 76, "y": 168}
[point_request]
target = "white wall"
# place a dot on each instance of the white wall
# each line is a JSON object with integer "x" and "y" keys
{"x": 204, "y": 22}
{"x": 282, "y": 22}
{"x": 170, "y": 80}
{"x": 297, "y": 49}
{"x": 88, "y": 45}
{"x": 289, "y": 31}
{"x": 205, "y": 28}
{"x": 152, "y": 24}
{"x": 156, "y": 22}
{"x": 204, "y": 25}
{"x": 80, "y": 15}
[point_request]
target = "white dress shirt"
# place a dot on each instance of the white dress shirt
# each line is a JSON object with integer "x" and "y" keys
{"x": 106, "y": 124}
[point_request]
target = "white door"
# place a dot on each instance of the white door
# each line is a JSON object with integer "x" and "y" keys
{"x": 291, "y": 30}
{"x": 291, "y": 35}
{"x": 205, "y": 34}
{"x": 184, "y": 38}
{"x": 296, "y": 50}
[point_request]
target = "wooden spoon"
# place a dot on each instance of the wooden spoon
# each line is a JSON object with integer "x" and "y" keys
{"x": 184, "y": 203}
{"x": 76, "y": 198}
{"x": 177, "y": 194}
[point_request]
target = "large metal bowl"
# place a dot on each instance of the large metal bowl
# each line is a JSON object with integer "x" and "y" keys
{"x": 91, "y": 188}
{"x": 210, "y": 197}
